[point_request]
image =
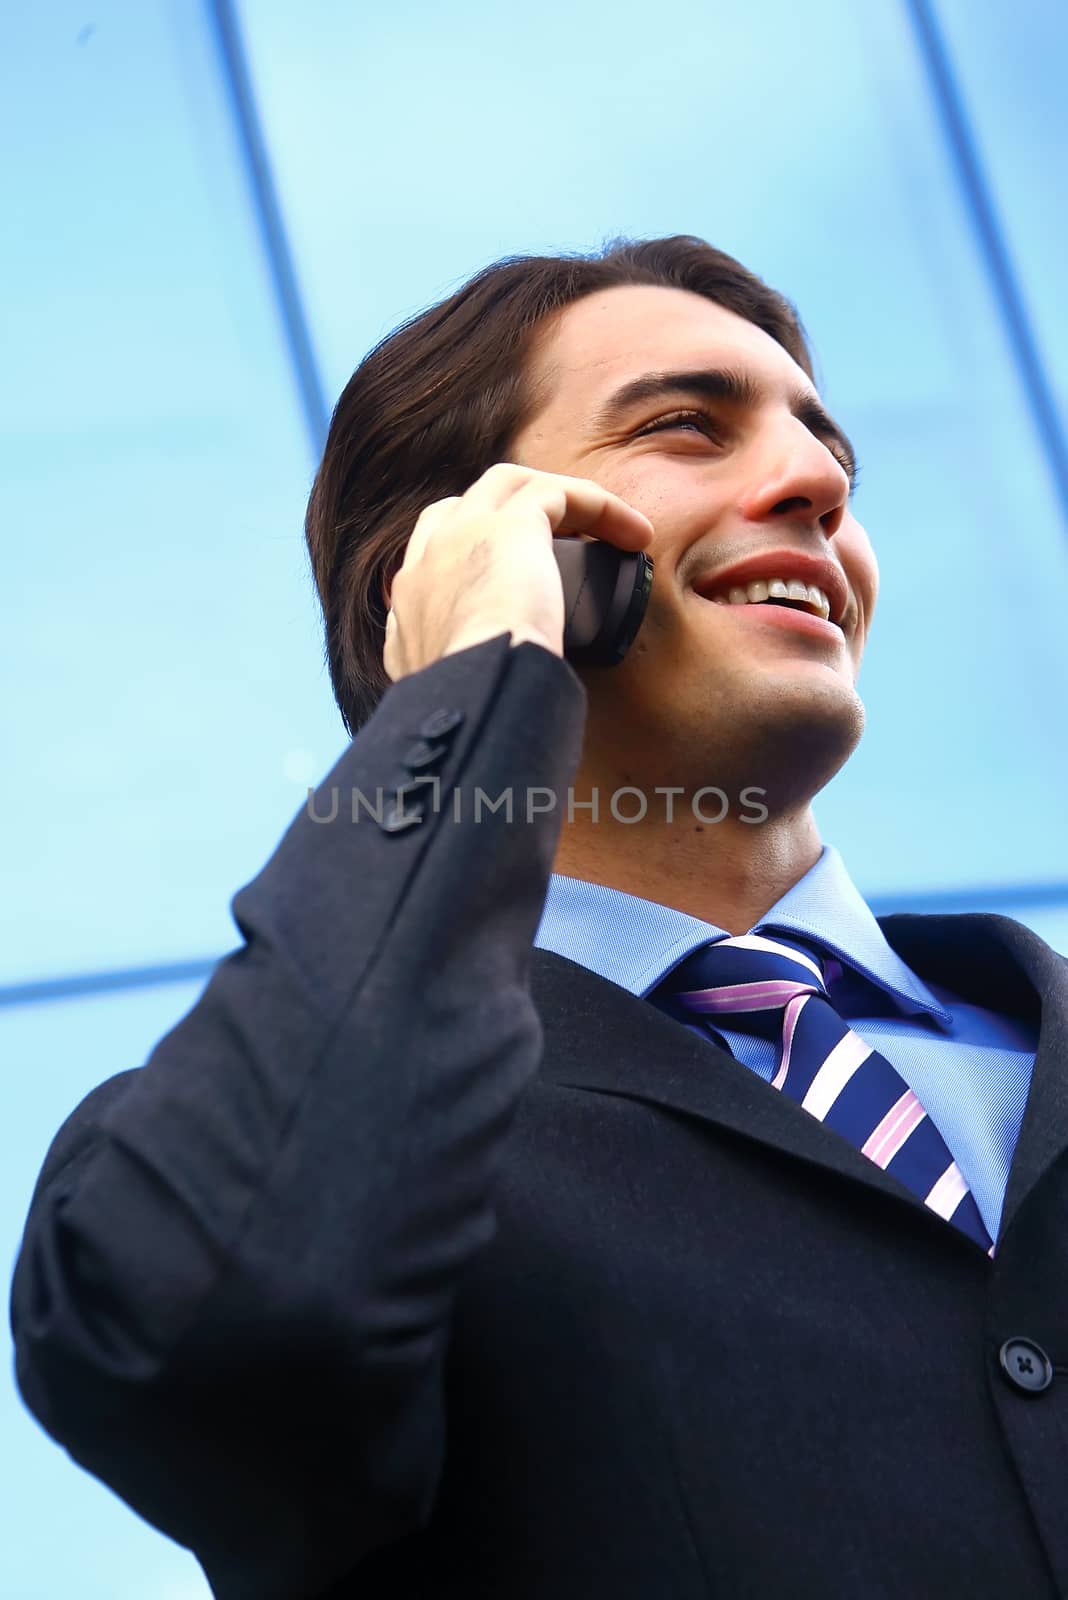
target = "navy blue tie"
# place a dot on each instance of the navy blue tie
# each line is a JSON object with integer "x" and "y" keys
{"x": 774, "y": 987}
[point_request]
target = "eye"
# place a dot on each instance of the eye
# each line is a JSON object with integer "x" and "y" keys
{"x": 707, "y": 425}
{"x": 680, "y": 419}
{"x": 853, "y": 476}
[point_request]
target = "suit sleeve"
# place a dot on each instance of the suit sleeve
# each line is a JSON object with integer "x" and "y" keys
{"x": 233, "y": 1295}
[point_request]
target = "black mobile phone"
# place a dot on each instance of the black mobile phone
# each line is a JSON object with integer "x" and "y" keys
{"x": 606, "y": 592}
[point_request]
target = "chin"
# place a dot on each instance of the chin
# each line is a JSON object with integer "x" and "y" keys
{"x": 789, "y": 740}
{"x": 824, "y": 708}
{"x": 820, "y": 732}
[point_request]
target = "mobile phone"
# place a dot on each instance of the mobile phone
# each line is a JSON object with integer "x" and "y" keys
{"x": 606, "y": 592}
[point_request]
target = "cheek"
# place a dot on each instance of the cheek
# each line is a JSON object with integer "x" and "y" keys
{"x": 645, "y": 496}
{"x": 860, "y": 567}
{"x": 869, "y": 594}
{"x": 669, "y": 493}
{"x": 864, "y": 556}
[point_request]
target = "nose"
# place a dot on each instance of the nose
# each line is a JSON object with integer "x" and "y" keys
{"x": 794, "y": 474}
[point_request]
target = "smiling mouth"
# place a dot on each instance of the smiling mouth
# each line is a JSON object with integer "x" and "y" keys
{"x": 794, "y": 614}
{"x": 775, "y": 591}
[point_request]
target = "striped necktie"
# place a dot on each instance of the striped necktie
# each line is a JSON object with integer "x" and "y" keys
{"x": 775, "y": 987}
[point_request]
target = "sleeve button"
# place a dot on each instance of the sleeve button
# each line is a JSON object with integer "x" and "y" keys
{"x": 398, "y": 818}
{"x": 443, "y": 720}
{"x": 423, "y": 754}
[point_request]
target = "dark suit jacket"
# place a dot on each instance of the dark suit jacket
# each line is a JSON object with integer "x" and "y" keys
{"x": 417, "y": 1263}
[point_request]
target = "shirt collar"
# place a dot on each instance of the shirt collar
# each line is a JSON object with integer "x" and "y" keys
{"x": 635, "y": 942}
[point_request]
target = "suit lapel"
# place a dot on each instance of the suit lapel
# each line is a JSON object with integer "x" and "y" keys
{"x": 602, "y": 1039}
{"x": 996, "y": 962}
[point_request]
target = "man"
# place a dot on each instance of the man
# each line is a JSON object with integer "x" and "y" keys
{"x": 471, "y": 1236}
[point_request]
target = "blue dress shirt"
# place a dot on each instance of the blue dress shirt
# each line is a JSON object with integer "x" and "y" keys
{"x": 970, "y": 1068}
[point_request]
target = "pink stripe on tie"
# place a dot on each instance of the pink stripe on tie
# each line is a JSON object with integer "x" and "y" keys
{"x": 792, "y": 1012}
{"x": 767, "y": 996}
{"x": 903, "y": 1117}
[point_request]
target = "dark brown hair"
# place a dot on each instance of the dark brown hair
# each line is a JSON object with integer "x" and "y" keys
{"x": 441, "y": 398}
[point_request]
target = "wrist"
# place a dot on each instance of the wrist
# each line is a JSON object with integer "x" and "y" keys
{"x": 479, "y": 633}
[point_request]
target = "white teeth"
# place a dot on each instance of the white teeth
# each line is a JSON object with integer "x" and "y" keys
{"x": 776, "y": 589}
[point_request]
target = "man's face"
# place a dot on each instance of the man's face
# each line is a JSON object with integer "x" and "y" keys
{"x": 738, "y": 480}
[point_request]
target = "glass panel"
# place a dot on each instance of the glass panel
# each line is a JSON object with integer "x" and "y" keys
{"x": 1009, "y": 64}
{"x": 159, "y": 631}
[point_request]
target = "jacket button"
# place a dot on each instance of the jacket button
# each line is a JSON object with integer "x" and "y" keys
{"x": 441, "y": 721}
{"x": 1026, "y": 1365}
{"x": 423, "y": 754}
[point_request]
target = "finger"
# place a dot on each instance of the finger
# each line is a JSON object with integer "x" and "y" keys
{"x": 572, "y": 505}
{"x": 389, "y": 648}
{"x": 430, "y": 518}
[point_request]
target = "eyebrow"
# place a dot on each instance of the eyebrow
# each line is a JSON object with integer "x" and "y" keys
{"x": 725, "y": 384}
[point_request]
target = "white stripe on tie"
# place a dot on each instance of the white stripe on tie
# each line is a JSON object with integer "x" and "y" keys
{"x": 834, "y": 1074}
{"x": 948, "y": 1192}
{"x": 753, "y": 941}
